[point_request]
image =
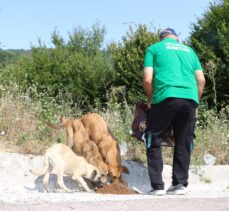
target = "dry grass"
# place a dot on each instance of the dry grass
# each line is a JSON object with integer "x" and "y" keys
{"x": 22, "y": 124}
{"x": 213, "y": 137}
{"x": 23, "y": 121}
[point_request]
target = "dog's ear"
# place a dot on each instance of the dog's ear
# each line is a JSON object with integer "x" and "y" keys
{"x": 124, "y": 170}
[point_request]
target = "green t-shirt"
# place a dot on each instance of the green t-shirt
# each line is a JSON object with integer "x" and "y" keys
{"x": 174, "y": 66}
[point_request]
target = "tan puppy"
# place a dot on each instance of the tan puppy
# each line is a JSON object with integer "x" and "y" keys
{"x": 78, "y": 140}
{"x": 70, "y": 126}
{"x": 63, "y": 160}
{"x": 107, "y": 144}
{"x": 85, "y": 147}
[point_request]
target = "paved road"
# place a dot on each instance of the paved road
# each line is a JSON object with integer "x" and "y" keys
{"x": 154, "y": 204}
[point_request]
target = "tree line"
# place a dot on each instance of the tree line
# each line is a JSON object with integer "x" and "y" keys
{"x": 92, "y": 74}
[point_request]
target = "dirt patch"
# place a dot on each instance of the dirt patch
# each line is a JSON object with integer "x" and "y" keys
{"x": 115, "y": 188}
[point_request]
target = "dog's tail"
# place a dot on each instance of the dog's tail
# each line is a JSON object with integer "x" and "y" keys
{"x": 45, "y": 167}
{"x": 57, "y": 126}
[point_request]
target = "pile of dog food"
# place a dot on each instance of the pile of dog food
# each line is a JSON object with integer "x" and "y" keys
{"x": 115, "y": 188}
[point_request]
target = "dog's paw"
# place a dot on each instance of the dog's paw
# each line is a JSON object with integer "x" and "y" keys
{"x": 58, "y": 190}
{"x": 48, "y": 190}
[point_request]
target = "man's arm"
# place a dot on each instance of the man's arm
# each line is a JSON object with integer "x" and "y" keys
{"x": 147, "y": 84}
{"x": 200, "y": 82}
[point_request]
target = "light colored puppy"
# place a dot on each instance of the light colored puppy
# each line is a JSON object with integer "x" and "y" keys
{"x": 63, "y": 160}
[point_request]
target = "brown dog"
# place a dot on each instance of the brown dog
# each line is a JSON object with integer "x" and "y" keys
{"x": 84, "y": 146}
{"x": 78, "y": 140}
{"x": 107, "y": 144}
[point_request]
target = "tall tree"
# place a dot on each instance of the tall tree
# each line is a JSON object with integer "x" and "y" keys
{"x": 128, "y": 59}
{"x": 210, "y": 36}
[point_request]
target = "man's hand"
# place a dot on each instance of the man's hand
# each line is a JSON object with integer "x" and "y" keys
{"x": 149, "y": 105}
{"x": 200, "y": 82}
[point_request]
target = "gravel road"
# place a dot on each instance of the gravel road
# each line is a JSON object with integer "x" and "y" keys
{"x": 20, "y": 190}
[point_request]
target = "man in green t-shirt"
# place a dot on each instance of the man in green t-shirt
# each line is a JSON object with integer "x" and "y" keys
{"x": 173, "y": 82}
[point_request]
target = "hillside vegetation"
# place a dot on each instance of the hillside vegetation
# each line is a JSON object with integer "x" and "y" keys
{"x": 80, "y": 75}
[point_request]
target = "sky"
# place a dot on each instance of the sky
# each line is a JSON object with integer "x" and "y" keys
{"x": 23, "y": 22}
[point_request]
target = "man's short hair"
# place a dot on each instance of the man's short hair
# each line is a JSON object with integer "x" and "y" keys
{"x": 167, "y": 32}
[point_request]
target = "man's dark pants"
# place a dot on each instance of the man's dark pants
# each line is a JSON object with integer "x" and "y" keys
{"x": 180, "y": 114}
